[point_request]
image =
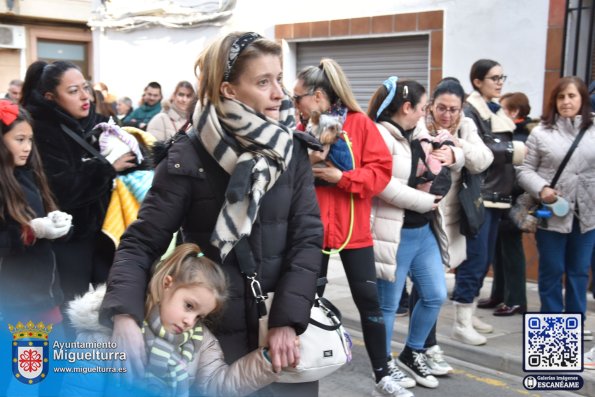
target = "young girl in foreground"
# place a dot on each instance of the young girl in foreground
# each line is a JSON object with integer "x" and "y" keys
{"x": 182, "y": 354}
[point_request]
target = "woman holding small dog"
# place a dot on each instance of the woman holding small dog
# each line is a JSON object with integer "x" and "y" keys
{"x": 324, "y": 90}
{"x": 564, "y": 241}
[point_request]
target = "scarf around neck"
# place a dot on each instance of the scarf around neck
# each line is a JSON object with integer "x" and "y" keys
{"x": 255, "y": 150}
{"x": 169, "y": 355}
{"x": 499, "y": 121}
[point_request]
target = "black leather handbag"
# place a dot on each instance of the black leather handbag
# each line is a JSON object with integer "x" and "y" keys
{"x": 472, "y": 209}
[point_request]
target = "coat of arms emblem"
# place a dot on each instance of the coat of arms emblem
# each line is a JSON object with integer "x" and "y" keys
{"x": 30, "y": 351}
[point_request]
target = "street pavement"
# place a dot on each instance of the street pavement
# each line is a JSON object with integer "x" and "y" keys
{"x": 504, "y": 349}
{"x": 467, "y": 380}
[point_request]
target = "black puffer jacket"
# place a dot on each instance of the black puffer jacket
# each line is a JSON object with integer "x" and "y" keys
{"x": 80, "y": 184}
{"x": 29, "y": 281}
{"x": 286, "y": 240}
{"x": 496, "y": 131}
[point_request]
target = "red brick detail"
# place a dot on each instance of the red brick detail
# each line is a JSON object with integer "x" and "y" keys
{"x": 340, "y": 27}
{"x": 556, "y": 13}
{"x": 360, "y": 26}
{"x": 436, "y": 45}
{"x": 430, "y": 20}
{"x": 382, "y": 24}
{"x": 301, "y": 30}
{"x": 320, "y": 29}
{"x": 406, "y": 22}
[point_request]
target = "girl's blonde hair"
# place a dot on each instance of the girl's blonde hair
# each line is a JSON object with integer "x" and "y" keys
{"x": 330, "y": 79}
{"x": 188, "y": 267}
{"x": 210, "y": 65}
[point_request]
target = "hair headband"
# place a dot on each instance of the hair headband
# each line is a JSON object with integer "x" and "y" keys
{"x": 391, "y": 86}
{"x": 8, "y": 112}
{"x": 236, "y": 49}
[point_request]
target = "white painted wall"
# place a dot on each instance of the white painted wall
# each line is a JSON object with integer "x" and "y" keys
{"x": 511, "y": 32}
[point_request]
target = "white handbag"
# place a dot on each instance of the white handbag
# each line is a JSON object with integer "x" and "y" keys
{"x": 325, "y": 346}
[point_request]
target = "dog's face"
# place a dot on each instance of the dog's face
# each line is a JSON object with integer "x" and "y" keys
{"x": 325, "y": 127}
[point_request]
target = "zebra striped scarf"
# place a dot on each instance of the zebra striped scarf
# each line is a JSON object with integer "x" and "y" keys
{"x": 255, "y": 150}
{"x": 169, "y": 355}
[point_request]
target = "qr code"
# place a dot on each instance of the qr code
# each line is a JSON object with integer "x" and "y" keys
{"x": 553, "y": 342}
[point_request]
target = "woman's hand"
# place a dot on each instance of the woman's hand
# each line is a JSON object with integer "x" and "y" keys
{"x": 548, "y": 195}
{"x": 445, "y": 135}
{"x": 330, "y": 173}
{"x": 445, "y": 155}
{"x": 124, "y": 162}
{"x": 317, "y": 157}
{"x": 129, "y": 338}
{"x": 284, "y": 348}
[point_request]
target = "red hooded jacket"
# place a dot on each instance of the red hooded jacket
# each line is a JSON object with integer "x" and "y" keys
{"x": 373, "y": 170}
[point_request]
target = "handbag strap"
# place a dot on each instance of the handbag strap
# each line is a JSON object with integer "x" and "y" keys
{"x": 567, "y": 157}
{"x": 84, "y": 144}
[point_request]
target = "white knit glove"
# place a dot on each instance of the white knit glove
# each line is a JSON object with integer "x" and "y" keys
{"x": 47, "y": 228}
{"x": 60, "y": 218}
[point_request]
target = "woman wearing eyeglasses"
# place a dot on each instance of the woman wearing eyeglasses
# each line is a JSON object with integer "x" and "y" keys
{"x": 445, "y": 116}
{"x": 407, "y": 227}
{"x": 496, "y": 130}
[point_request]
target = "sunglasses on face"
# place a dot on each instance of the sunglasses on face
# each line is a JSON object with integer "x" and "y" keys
{"x": 298, "y": 98}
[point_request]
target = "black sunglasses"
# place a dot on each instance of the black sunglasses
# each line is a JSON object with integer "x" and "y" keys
{"x": 298, "y": 98}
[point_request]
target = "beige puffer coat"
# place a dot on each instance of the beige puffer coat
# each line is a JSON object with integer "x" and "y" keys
{"x": 388, "y": 207}
{"x": 165, "y": 124}
{"x": 476, "y": 157}
{"x": 546, "y": 149}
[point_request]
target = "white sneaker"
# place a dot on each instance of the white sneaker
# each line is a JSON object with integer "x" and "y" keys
{"x": 398, "y": 375}
{"x": 388, "y": 387}
{"x": 436, "y": 362}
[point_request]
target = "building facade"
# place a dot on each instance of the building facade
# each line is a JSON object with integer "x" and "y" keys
{"x": 48, "y": 30}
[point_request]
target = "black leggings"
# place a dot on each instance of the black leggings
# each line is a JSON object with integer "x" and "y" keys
{"x": 361, "y": 276}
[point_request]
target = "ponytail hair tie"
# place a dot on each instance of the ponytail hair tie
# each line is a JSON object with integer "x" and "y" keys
{"x": 200, "y": 255}
{"x": 391, "y": 86}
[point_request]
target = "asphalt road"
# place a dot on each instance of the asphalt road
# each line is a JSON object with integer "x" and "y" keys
{"x": 468, "y": 380}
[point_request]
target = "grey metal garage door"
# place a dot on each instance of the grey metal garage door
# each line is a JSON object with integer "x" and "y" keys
{"x": 368, "y": 62}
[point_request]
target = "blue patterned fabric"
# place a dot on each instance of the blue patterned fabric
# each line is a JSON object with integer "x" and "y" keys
{"x": 138, "y": 183}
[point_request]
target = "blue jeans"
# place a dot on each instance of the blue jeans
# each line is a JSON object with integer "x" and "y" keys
{"x": 569, "y": 255}
{"x": 480, "y": 253}
{"x": 419, "y": 256}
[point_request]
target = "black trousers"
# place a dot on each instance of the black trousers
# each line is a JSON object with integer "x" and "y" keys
{"x": 509, "y": 285}
{"x": 361, "y": 275}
